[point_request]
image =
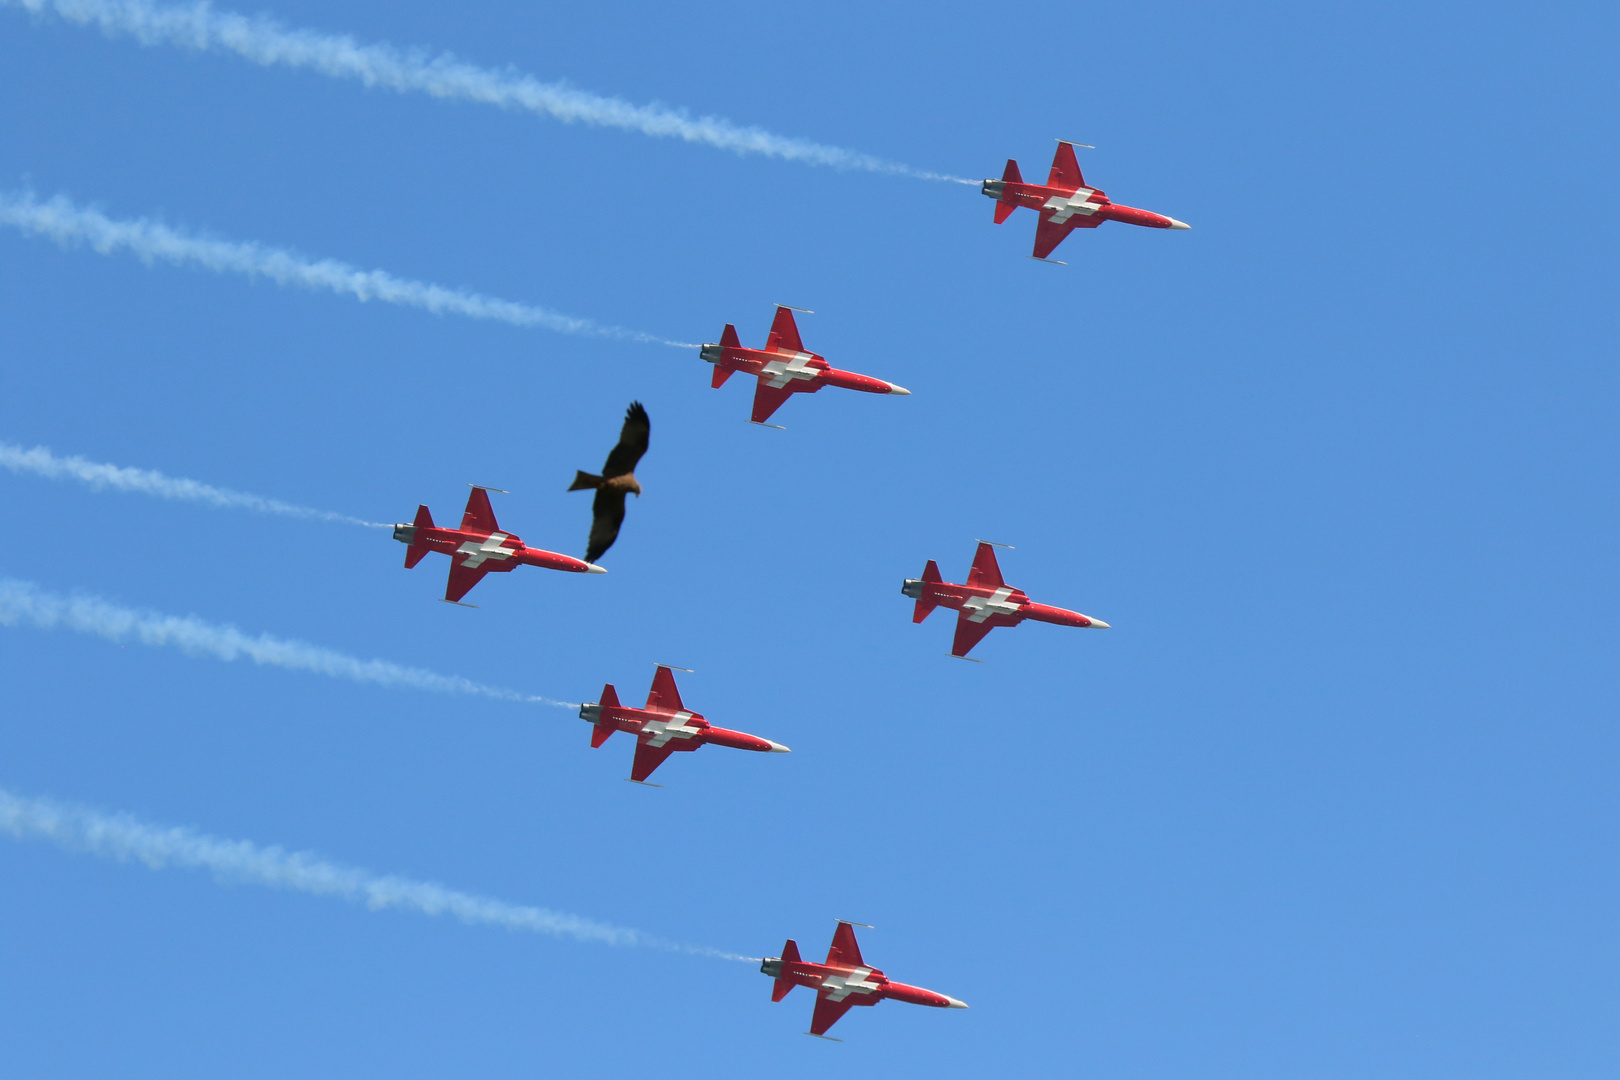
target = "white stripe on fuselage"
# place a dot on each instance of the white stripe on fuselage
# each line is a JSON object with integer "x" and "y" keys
{"x": 490, "y": 549}
{"x": 839, "y": 987}
{"x": 1065, "y": 208}
{"x": 674, "y": 728}
{"x": 980, "y": 608}
{"x": 783, "y": 372}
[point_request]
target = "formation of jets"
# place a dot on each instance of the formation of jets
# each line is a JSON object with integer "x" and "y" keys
{"x": 782, "y": 368}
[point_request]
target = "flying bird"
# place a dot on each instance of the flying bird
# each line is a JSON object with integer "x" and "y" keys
{"x": 618, "y": 477}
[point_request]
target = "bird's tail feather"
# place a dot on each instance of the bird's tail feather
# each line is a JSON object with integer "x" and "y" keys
{"x": 583, "y": 480}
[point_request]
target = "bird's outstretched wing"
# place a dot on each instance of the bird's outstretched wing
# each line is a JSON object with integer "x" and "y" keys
{"x": 607, "y": 514}
{"x": 632, "y": 444}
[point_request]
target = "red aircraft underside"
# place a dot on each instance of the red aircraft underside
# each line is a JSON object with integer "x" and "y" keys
{"x": 984, "y": 603}
{"x": 843, "y": 982}
{"x": 1064, "y": 202}
{"x": 478, "y": 547}
{"x": 663, "y": 727}
{"x": 784, "y": 367}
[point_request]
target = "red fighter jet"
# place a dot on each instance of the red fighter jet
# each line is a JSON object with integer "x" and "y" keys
{"x": 843, "y": 982}
{"x": 985, "y": 602}
{"x": 663, "y": 727}
{"x": 478, "y": 547}
{"x": 783, "y": 367}
{"x": 1064, "y": 202}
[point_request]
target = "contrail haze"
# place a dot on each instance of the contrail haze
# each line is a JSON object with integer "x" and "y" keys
{"x": 121, "y": 837}
{"x": 264, "y": 41}
{"x": 41, "y": 462}
{"x": 68, "y": 224}
{"x": 22, "y": 603}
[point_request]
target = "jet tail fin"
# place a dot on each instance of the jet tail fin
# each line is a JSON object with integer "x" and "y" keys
{"x": 416, "y": 551}
{"x": 729, "y": 338}
{"x": 784, "y": 981}
{"x": 1004, "y": 211}
{"x": 583, "y": 480}
{"x": 604, "y": 726}
{"x": 1012, "y": 175}
{"x": 924, "y": 604}
{"x": 721, "y": 374}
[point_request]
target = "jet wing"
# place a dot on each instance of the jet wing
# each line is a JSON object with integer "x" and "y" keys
{"x": 844, "y": 952}
{"x": 648, "y": 758}
{"x": 1048, "y": 234}
{"x": 970, "y": 633}
{"x": 663, "y": 694}
{"x": 480, "y": 516}
{"x": 767, "y": 399}
{"x": 828, "y": 1012}
{"x": 462, "y": 578}
{"x": 784, "y": 333}
{"x": 1065, "y": 174}
{"x": 986, "y": 571}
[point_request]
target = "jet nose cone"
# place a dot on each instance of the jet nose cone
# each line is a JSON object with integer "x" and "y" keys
{"x": 778, "y": 748}
{"x": 954, "y": 1004}
{"x": 592, "y": 568}
{"x": 1174, "y": 224}
{"x": 1098, "y": 624}
{"x": 895, "y": 389}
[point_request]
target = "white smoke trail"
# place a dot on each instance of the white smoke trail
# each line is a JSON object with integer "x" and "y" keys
{"x": 21, "y": 602}
{"x": 41, "y": 462}
{"x": 124, "y": 838}
{"x": 68, "y": 224}
{"x": 265, "y": 41}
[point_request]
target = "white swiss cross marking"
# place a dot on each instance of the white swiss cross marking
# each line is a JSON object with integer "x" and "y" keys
{"x": 1066, "y": 208}
{"x": 782, "y": 373}
{"x": 490, "y": 549}
{"x": 664, "y": 730}
{"x": 980, "y": 608}
{"x": 839, "y": 987}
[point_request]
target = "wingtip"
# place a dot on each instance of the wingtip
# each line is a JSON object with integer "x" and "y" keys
{"x": 778, "y": 748}
{"x": 896, "y": 388}
{"x": 592, "y": 568}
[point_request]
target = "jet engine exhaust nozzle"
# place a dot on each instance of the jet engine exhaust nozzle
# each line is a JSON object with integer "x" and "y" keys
{"x": 591, "y": 711}
{"x": 993, "y": 188}
{"x": 771, "y": 967}
{"x": 711, "y": 353}
{"x": 913, "y": 588}
{"x": 405, "y": 534}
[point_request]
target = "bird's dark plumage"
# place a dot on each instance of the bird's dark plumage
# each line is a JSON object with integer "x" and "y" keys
{"x": 618, "y": 479}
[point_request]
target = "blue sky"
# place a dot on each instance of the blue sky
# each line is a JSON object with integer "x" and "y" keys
{"x": 1333, "y": 798}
